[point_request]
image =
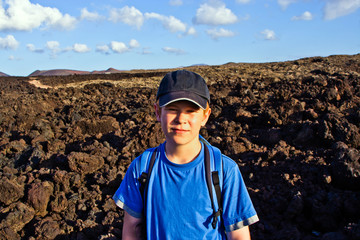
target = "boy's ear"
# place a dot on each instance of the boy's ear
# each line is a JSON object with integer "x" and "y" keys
{"x": 157, "y": 111}
{"x": 206, "y": 117}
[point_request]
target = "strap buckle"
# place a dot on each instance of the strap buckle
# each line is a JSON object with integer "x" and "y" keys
{"x": 215, "y": 216}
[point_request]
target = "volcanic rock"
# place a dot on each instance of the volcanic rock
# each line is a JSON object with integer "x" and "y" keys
{"x": 39, "y": 196}
{"x": 16, "y": 216}
{"x": 292, "y": 127}
{"x": 346, "y": 166}
{"x": 10, "y": 191}
{"x": 84, "y": 163}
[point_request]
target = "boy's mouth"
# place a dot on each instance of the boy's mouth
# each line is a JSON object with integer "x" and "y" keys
{"x": 178, "y": 130}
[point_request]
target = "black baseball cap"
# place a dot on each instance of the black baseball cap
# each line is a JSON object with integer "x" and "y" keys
{"x": 183, "y": 85}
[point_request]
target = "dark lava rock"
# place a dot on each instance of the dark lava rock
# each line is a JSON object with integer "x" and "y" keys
{"x": 16, "y": 216}
{"x": 10, "y": 191}
{"x": 39, "y": 196}
{"x": 84, "y": 163}
{"x": 292, "y": 128}
{"x": 346, "y": 166}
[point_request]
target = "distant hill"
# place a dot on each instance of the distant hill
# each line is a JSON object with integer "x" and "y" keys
{"x": 110, "y": 70}
{"x": 65, "y": 72}
{"x": 3, "y": 74}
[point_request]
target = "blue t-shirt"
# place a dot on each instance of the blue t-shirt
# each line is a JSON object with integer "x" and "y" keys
{"x": 178, "y": 202}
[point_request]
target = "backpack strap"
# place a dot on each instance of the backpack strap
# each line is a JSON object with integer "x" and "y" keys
{"x": 144, "y": 177}
{"x": 217, "y": 179}
{"x": 212, "y": 178}
{"x": 144, "y": 180}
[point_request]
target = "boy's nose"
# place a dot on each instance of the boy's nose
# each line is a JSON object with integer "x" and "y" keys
{"x": 181, "y": 117}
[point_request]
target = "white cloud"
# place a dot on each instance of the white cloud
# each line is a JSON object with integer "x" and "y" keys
{"x": 103, "y": 49}
{"x": 191, "y": 31}
{"x": 218, "y": 33}
{"x": 338, "y": 8}
{"x": 90, "y": 16}
{"x": 170, "y": 23}
{"x": 128, "y": 15}
{"x": 134, "y": 43}
{"x": 306, "y": 16}
{"x": 176, "y": 51}
{"x": 31, "y": 47}
{"x": 146, "y": 51}
{"x": 8, "y": 42}
{"x": 12, "y": 58}
{"x": 285, "y": 3}
{"x": 243, "y": 1}
{"x": 269, "y": 34}
{"x": 54, "y": 47}
{"x": 118, "y": 47}
{"x": 176, "y": 2}
{"x": 214, "y": 13}
{"x": 23, "y": 15}
{"x": 80, "y": 48}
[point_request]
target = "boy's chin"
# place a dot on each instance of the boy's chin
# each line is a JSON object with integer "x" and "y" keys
{"x": 181, "y": 140}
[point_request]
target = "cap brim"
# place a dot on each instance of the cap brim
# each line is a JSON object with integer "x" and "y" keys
{"x": 182, "y": 95}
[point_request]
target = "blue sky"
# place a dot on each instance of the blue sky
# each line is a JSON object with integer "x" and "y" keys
{"x": 141, "y": 34}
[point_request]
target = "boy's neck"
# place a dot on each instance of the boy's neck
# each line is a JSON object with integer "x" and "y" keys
{"x": 182, "y": 154}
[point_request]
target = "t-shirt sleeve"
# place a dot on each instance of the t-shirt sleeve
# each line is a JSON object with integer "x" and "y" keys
{"x": 128, "y": 195}
{"x": 238, "y": 210}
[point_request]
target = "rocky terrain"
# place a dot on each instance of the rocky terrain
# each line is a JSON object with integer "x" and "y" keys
{"x": 292, "y": 127}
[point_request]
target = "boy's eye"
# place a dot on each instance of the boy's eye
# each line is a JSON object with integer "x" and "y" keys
{"x": 171, "y": 109}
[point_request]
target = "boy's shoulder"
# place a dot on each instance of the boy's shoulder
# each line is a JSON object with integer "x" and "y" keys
{"x": 226, "y": 161}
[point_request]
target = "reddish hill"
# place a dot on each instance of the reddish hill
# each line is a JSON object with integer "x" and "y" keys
{"x": 108, "y": 71}
{"x": 65, "y": 72}
{"x": 57, "y": 72}
{"x": 3, "y": 74}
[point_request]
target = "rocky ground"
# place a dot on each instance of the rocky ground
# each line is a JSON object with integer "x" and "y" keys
{"x": 292, "y": 127}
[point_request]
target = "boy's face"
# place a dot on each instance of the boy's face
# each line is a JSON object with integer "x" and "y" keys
{"x": 181, "y": 121}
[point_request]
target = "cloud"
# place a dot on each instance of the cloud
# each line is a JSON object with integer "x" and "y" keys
{"x": 134, "y": 43}
{"x": 306, "y": 16}
{"x": 54, "y": 47}
{"x": 243, "y": 1}
{"x": 170, "y": 23}
{"x": 12, "y": 58}
{"x": 285, "y": 3}
{"x": 214, "y": 13}
{"x": 31, "y": 47}
{"x": 191, "y": 31}
{"x": 146, "y": 51}
{"x": 176, "y": 2}
{"x": 8, "y": 42}
{"x": 22, "y": 15}
{"x": 80, "y": 48}
{"x": 269, "y": 34}
{"x": 176, "y": 51}
{"x": 118, "y": 47}
{"x": 128, "y": 15}
{"x": 338, "y": 8}
{"x": 218, "y": 33}
{"x": 90, "y": 16}
{"x": 103, "y": 49}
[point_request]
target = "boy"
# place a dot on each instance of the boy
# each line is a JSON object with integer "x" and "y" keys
{"x": 178, "y": 205}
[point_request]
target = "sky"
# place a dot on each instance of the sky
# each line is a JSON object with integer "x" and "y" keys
{"x": 92, "y": 35}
